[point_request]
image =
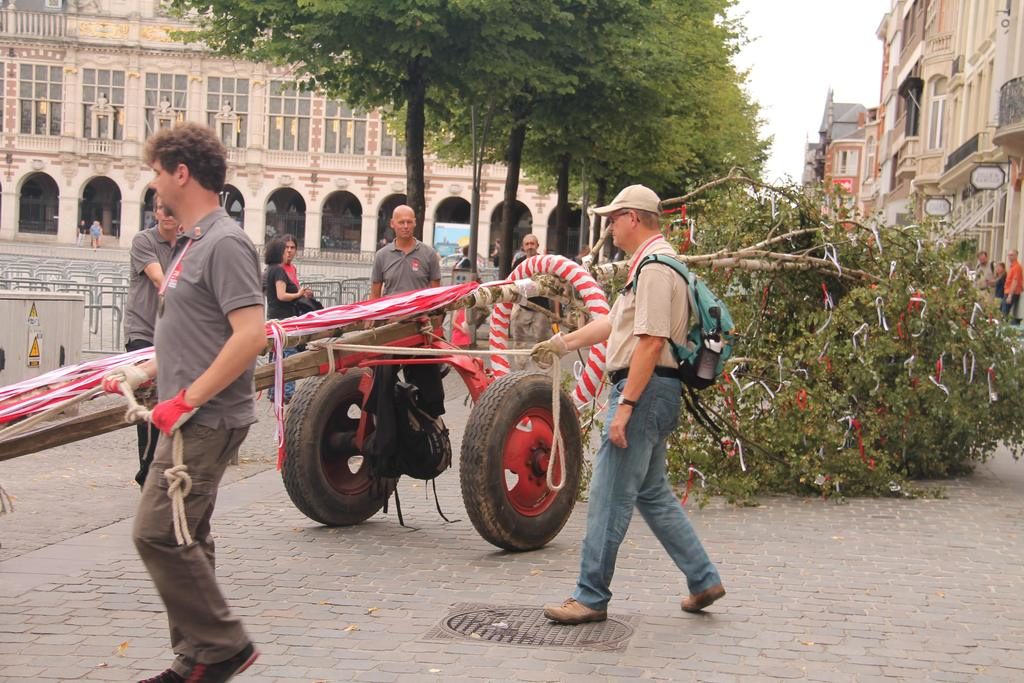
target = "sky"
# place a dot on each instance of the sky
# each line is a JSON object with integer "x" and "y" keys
{"x": 798, "y": 49}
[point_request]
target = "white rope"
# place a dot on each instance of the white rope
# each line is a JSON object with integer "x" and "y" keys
{"x": 557, "y": 445}
{"x": 179, "y": 482}
{"x": 880, "y": 308}
{"x": 971, "y": 377}
{"x": 878, "y": 238}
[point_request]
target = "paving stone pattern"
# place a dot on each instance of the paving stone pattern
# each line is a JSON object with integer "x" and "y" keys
{"x": 877, "y": 589}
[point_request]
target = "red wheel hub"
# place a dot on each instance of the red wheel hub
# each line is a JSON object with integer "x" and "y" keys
{"x": 526, "y": 460}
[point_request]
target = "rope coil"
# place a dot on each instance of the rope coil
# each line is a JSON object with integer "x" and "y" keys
{"x": 179, "y": 482}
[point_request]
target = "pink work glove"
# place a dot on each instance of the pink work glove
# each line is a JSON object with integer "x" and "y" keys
{"x": 168, "y": 416}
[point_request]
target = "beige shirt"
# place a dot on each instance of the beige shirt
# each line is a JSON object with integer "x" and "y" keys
{"x": 658, "y": 305}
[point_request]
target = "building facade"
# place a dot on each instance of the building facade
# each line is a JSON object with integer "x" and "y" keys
{"x": 83, "y": 86}
{"x": 838, "y": 158}
{"x": 1009, "y": 132}
{"x": 946, "y": 146}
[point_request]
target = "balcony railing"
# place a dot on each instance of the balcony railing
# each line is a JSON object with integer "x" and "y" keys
{"x": 908, "y": 157}
{"x": 344, "y": 162}
{"x": 962, "y": 152}
{"x": 391, "y": 164}
{"x": 33, "y": 24}
{"x": 276, "y": 157}
{"x": 940, "y": 44}
{"x": 1011, "y": 102}
{"x": 448, "y": 169}
{"x": 37, "y": 143}
{"x": 100, "y": 146}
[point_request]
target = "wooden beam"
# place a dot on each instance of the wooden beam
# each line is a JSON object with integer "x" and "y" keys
{"x": 64, "y": 432}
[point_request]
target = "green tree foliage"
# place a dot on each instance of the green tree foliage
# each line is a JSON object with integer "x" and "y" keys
{"x": 373, "y": 53}
{"x": 867, "y": 355}
{"x": 659, "y": 103}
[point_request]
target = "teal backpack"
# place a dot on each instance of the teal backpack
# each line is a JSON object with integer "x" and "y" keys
{"x": 709, "y": 342}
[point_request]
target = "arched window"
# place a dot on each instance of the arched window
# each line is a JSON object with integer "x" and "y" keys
{"x": 937, "y": 117}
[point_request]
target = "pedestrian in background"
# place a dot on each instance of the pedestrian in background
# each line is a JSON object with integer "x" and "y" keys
{"x": 150, "y": 257}
{"x": 1013, "y": 287}
{"x": 496, "y": 252}
{"x": 281, "y": 288}
{"x": 95, "y": 232}
{"x": 984, "y": 272}
{"x": 529, "y": 326}
{"x": 998, "y": 287}
{"x": 405, "y": 265}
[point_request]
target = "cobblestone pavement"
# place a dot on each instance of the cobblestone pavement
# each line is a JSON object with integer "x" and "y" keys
{"x": 885, "y": 589}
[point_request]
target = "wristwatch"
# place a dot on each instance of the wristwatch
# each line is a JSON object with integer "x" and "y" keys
{"x": 623, "y": 401}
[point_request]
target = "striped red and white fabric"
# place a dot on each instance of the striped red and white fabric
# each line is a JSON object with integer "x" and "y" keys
{"x": 589, "y": 384}
{"x": 35, "y": 395}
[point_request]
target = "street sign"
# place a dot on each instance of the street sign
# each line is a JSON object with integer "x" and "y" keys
{"x": 988, "y": 177}
{"x": 937, "y": 206}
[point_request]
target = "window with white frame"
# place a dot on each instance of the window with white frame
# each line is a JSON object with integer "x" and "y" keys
{"x": 103, "y": 104}
{"x": 40, "y": 96}
{"x": 937, "y": 116}
{"x": 846, "y": 162}
{"x": 344, "y": 129}
{"x": 869, "y": 157}
{"x": 288, "y": 120}
{"x": 390, "y": 146}
{"x": 166, "y": 99}
{"x": 227, "y": 109}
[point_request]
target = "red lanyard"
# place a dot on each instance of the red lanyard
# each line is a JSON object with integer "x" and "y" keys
{"x": 639, "y": 256}
{"x": 172, "y": 277}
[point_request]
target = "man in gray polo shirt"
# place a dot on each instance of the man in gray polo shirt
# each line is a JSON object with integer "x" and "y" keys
{"x": 406, "y": 264}
{"x": 150, "y": 257}
{"x": 209, "y": 330}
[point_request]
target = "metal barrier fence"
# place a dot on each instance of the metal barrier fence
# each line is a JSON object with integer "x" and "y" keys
{"x": 104, "y": 285}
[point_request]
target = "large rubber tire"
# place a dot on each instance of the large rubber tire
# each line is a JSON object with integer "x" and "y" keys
{"x": 325, "y": 476}
{"x": 504, "y": 460}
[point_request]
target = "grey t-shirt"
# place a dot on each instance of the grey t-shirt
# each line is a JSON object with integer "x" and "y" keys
{"x": 401, "y": 272}
{"x": 218, "y": 273}
{"x": 140, "y": 313}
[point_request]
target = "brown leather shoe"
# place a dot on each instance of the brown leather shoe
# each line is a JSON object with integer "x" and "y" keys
{"x": 698, "y": 601}
{"x": 572, "y": 612}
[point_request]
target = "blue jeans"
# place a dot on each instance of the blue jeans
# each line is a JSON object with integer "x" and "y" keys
{"x": 289, "y": 387}
{"x": 635, "y": 476}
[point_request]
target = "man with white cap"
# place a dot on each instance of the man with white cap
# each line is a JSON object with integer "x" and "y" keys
{"x": 643, "y": 410}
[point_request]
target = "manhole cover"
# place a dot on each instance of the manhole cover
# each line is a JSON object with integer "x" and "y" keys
{"x": 529, "y": 626}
